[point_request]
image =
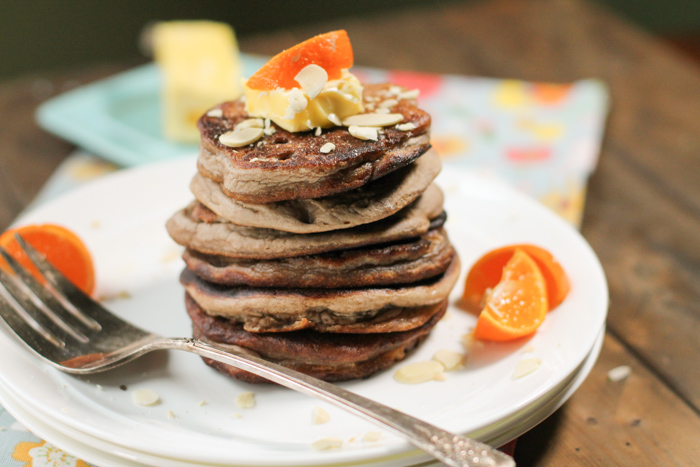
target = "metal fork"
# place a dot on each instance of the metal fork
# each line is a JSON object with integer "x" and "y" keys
{"x": 76, "y": 334}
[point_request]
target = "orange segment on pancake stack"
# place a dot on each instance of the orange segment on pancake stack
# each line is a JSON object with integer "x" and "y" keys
{"x": 331, "y": 51}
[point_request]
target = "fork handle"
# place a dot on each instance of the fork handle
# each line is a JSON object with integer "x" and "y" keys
{"x": 452, "y": 449}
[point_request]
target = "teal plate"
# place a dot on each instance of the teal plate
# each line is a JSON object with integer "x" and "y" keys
{"x": 118, "y": 118}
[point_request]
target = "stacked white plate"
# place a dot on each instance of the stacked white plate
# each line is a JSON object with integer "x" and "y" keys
{"x": 121, "y": 218}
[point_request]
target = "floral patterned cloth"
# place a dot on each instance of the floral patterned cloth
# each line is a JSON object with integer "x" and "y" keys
{"x": 20, "y": 448}
{"x": 541, "y": 138}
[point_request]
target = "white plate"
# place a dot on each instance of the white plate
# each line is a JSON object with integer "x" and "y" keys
{"x": 121, "y": 219}
{"x": 106, "y": 454}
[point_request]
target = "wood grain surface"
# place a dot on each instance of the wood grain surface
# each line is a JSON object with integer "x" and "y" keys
{"x": 642, "y": 215}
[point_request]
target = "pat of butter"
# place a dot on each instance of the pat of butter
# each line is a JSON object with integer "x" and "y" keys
{"x": 340, "y": 97}
{"x": 200, "y": 66}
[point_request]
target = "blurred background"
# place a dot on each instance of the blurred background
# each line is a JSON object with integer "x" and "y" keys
{"x": 49, "y": 35}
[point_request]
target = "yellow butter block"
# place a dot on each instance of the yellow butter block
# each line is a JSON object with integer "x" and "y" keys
{"x": 340, "y": 97}
{"x": 201, "y": 67}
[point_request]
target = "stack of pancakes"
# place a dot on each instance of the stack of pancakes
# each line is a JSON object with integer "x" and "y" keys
{"x": 331, "y": 263}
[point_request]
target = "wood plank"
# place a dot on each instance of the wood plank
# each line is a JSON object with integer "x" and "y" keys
{"x": 649, "y": 248}
{"x": 655, "y": 90}
{"x": 27, "y": 155}
{"x": 634, "y": 422}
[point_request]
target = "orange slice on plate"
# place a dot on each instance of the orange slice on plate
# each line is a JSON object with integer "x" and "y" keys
{"x": 331, "y": 51}
{"x": 62, "y": 248}
{"x": 487, "y": 271}
{"x": 517, "y": 305}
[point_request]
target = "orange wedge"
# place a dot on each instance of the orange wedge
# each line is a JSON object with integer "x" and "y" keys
{"x": 331, "y": 51}
{"x": 487, "y": 271}
{"x": 61, "y": 247}
{"x": 517, "y": 305}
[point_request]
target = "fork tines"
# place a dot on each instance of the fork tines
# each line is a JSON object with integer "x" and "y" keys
{"x": 43, "y": 313}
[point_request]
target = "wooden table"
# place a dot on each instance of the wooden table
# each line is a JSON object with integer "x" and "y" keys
{"x": 642, "y": 215}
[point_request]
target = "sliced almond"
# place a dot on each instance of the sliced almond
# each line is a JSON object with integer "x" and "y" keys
{"x": 333, "y": 118}
{"x": 324, "y": 444}
{"x": 326, "y": 148}
{"x": 372, "y": 436}
{"x": 373, "y": 119}
{"x": 319, "y": 416}
{"x": 419, "y": 372}
{"x": 145, "y": 397}
{"x": 215, "y": 113}
{"x": 388, "y": 103}
{"x": 245, "y": 400}
{"x": 317, "y": 132}
{"x": 364, "y": 132}
{"x": 406, "y": 126}
{"x": 240, "y": 138}
{"x": 383, "y": 110}
{"x": 619, "y": 373}
{"x": 297, "y": 101}
{"x": 525, "y": 367}
{"x": 450, "y": 359}
{"x": 412, "y": 94}
{"x": 249, "y": 123}
{"x": 312, "y": 79}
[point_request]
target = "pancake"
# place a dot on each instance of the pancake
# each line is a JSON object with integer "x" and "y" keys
{"x": 332, "y": 357}
{"x": 389, "y": 319}
{"x": 369, "y": 203}
{"x": 202, "y": 231}
{"x": 273, "y": 309}
{"x": 377, "y": 265}
{"x": 330, "y": 373}
{"x": 335, "y": 263}
{"x": 284, "y": 165}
